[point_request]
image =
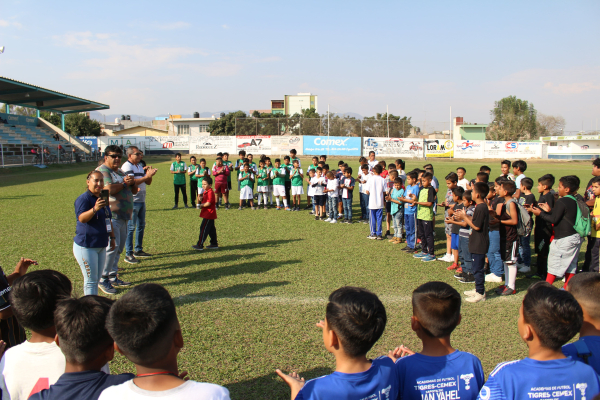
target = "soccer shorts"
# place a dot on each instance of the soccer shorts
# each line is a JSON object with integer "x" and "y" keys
{"x": 454, "y": 240}
{"x": 246, "y": 193}
{"x": 221, "y": 188}
{"x": 279, "y": 190}
{"x": 262, "y": 189}
{"x": 388, "y": 207}
{"x": 448, "y": 228}
{"x": 320, "y": 199}
{"x": 509, "y": 251}
{"x": 296, "y": 190}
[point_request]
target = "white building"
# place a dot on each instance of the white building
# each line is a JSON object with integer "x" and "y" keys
{"x": 190, "y": 126}
{"x": 302, "y": 101}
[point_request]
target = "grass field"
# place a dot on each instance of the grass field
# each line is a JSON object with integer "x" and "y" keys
{"x": 252, "y": 305}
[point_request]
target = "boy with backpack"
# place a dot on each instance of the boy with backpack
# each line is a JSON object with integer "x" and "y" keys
{"x": 507, "y": 214}
{"x": 571, "y": 219}
{"x": 585, "y": 287}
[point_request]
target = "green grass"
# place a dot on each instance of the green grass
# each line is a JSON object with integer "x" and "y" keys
{"x": 251, "y": 306}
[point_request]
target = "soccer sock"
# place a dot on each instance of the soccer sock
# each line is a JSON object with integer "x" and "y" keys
{"x": 550, "y": 278}
{"x": 265, "y": 198}
{"x": 512, "y": 276}
{"x": 271, "y": 198}
{"x": 505, "y": 273}
{"x": 258, "y": 199}
{"x": 285, "y": 203}
{"x": 568, "y": 277}
{"x": 277, "y": 200}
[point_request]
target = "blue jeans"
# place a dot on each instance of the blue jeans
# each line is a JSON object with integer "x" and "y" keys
{"x": 375, "y": 220}
{"x": 347, "y": 208}
{"x": 524, "y": 256}
{"x": 332, "y": 206}
{"x": 364, "y": 206}
{"x": 466, "y": 260}
{"x": 493, "y": 255}
{"x": 398, "y": 219}
{"x": 111, "y": 265}
{"x": 91, "y": 261}
{"x": 137, "y": 223}
{"x": 410, "y": 225}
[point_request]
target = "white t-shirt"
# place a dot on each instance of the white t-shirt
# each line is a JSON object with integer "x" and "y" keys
{"x": 372, "y": 164}
{"x": 23, "y": 365}
{"x": 518, "y": 181}
{"x": 138, "y": 172}
{"x": 333, "y": 184}
{"x": 375, "y": 186}
{"x": 360, "y": 178}
{"x": 189, "y": 390}
{"x": 318, "y": 189}
{"x": 363, "y": 187}
{"x": 311, "y": 190}
{"x": 463, "y": 183}
{"x": 402, "y": 175}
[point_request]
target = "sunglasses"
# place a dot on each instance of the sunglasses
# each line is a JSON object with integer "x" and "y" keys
{"x": 114, "y": 155}
{"x": 138, "y": 154}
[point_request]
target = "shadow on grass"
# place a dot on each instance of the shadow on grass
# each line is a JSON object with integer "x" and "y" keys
{"x": 28, "y": 174}
{"x": 269, "y": 386}
{"x": 219, "y": 259}
{"x": 19, "y": 197}
{"x": 239, "y": 291}
{"x": 255, "y": 267}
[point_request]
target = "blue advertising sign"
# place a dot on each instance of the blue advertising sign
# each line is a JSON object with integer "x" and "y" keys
{"x": 91, "y": 141}
{"x": 332, "y": 145}
{"x": 11, "y": 119}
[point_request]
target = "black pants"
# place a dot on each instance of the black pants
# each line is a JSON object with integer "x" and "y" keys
{"x": 478, "y": 262}
{"x": 193, "y": 192}
{"x": 288, "y": 187}
{"x": 542, "y": 254}
{"x": 588, "y": 264}
{"x": 425, "y": 230}
{"x": 595, "y": 257}
{"x": 207, "y": 228}
{"x": 183, "y": 194}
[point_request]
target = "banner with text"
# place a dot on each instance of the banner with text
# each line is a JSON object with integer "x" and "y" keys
{"x": 11, "y": 119}
{"x": 213, "y": 145}
{"x": 468, "y": 149}
{"x": 500, "y": 149}
{"x": 91, "y": 141}
{"x": 255, "y": 145}
{"x": 441, "y": 148}
{"x": 393, "y": 147}
{"x": 148, "y": 143}
{"x": 283, "y": 144}
{"x": 332, "y": 145}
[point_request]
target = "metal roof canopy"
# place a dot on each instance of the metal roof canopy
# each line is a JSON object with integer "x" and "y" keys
{"x": 26, "y": 95}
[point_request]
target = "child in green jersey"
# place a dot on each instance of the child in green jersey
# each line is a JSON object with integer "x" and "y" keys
{"x": 201, "y": 172}
{"x": 269, "y": 168}
{"x": 246, "y": 179}
{"x": 178, "y": 171}
{"x": 296, "y": 176}
{"x": 262, "y": 182}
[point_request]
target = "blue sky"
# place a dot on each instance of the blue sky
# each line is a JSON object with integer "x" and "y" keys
{"x": 420, "y": 58}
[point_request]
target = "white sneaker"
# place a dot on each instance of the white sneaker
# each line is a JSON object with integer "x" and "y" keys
{"x": 524, "y": 269}
{"x": 446, "y": 258}
{"x": 476, "y": 298}
{"x": 519, "y": 266}
{"x": 328, "y": 220}
{"x": 493, "y": 278}
{"x": 470, "y": 293}
{"x": 333, "y": 221}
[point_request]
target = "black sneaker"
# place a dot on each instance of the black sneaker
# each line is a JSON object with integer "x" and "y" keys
{"x": 460, "y": 275}
{"x": 408, "y": 250}
{"x": 106, "y": 287}
{"x": 186, "y": 206}
{"x": 116, "y": 282}
{"x": 174, "y": 207}
{"x": 379, "y": 237}
{"x": 487, "y": 271}
{"x": 141, "y": 254}
{"x": 317, "y": 218}
{"x": 212, "y": 246}
{"x": 196, "y": 247}
{"x": 467, "y": 278}
{"x": 131, "y": 260}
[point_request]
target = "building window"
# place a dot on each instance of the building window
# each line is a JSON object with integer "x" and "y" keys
{"x": 203, "y": 128}
{"x": 183, "y": 130}
{"x": 553, "y": 144}
{"x": 277, "y": 104}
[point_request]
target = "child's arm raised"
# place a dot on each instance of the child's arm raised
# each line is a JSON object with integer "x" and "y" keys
{"x": 294, "y": 381}
{"x": 466, "y": 220}
{"x": 400, "y": 352}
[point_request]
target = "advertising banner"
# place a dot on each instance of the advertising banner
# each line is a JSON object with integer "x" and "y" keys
{"x": 332, "y": 145}
{"x": 212, "y": 145}
{"x": 255, "y": 145}
{"x": 283, "y": 144}
{"x": 393, "y": 147}
{"x": 148, "y": 143}
{"x": 91, "y": 141}
{"x": 11, "y": 119}
{"x": 439, "y": 148}
{"x": 469, "y": 149}
{"x": 512, "y": 150}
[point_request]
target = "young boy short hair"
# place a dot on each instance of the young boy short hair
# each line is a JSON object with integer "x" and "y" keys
{"x": 543, "y": 230}
{"x": 548, "y": 318}
{"x": 595, "y": 225}
{"x": 411, "y": 192}
{"x": 397, "y": 209}
{"x": 82, "y": 337}
{"x": 178, "y": 169}
{"x": 375, "y": 188}
{"x": 425, "y": 215}
{"x": 363, "y": 177}
{"x": 519, "y": 168}
{"x": 37, "y": 360}
{"x": 457, "y": 197}
{"x": 448, "y": 204}
{"x": 462, "y": 181}
{"x": 146, "y": 330}
{"x": 505, "y": 168}
{"x": 585, "y": 287}
{"x": 208, "y": 213}
{"x": 297, "y": 175}
{"x": 526, "y": 199}
{"x": 465, "y": 273}
{"x": 436, "y": 313}
{"x": 347, "y": 188}
{"x": 507, "y": 215}
{"x": 354, "y": 320}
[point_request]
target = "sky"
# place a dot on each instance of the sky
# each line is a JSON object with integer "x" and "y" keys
{"x": 418, "y": 58}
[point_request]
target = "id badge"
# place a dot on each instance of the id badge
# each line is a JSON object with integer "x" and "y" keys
{"x": 108, "y": 225}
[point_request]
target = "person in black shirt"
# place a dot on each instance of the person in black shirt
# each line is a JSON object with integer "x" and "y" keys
{"x": 542, "y": 230}
{"x": 494, "y": 257}
{"x": 562, "y": 259}
{"x": 479, "y": 240}
{"x": 589, "y": 198}
{"x": 507, "y": 213}
{"x": 525, "y": 198}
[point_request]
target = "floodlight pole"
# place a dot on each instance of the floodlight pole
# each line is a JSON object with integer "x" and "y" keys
{"x": 7, "y": 108}
{"x": 387, "y": 114}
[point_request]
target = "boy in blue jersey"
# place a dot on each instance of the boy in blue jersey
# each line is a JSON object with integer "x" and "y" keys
{"x": 548, "y": 318}
{"x": 585, "y": 287}
{"x": 354, "y": 320}
{"x": 439, "y": 371}
{"x": 410, "y": 211}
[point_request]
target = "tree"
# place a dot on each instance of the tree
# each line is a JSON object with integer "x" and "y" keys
{"x": 377, "y": 126}
{"x": 512, "y": 119}
{"x": 53, "y": 118}
{"x": 225, "y": 126}
{"x": 550, "y": 125}
{"x": 80, "y": 125}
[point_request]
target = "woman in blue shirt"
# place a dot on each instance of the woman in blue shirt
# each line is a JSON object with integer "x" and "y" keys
{"x": 94, "y": 229}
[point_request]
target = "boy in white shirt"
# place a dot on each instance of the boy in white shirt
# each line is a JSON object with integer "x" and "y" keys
{"x": 363, "y": 177}
{"x": 144, "y": 325}
{"x": 332, "y": 197}
{"x": 318, "y": 183}
{"x": 372, "y": 161}
{"x": 462, "y": 181}
{"x": 34, "y": 297}
{"x": 375, "y": 188}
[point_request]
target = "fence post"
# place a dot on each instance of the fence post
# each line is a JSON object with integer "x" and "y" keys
{"x": 2, "y": 151}
{"x": 22, "y": 154}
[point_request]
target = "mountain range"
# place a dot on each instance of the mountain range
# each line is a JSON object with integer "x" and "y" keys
{"x": 110, "y": 118}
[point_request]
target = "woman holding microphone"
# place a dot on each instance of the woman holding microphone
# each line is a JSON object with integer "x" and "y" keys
{"x": 93, "y": 233}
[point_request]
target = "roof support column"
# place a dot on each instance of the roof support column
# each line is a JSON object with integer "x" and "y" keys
{"x": 38, "y": 113}
{"x": 62, "y": 121}
{"x": 7, "y": 108}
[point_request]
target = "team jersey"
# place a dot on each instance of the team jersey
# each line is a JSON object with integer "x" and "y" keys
{"x": 396, "y": 195}
{"x": 246, "y": 182}
{"x": 201, "y": 171}
{"x": 262, "y": 177}
{"x": 426, "y": 195}
{"x": 193, "y": 168}
{"x": 289, "y": 167}
{"x": 379, "y": 382}
{"x": 252, "y": 167}
{"x": 296, "y": 176}
{"x": 531, "y": 379}
{"x": 279, "y": 175}
{"x": 270, "y": 178}
{"x": 312, "y": 166}
{"x": 228, "y": 164}
{"x": 458, "y": 375}
{"x": 593, "y": 345}
{"x": 319, "y": 183}
{"x": 411, "y": 208}
{"x": 178, "y": 179}
{"x": 348, "y": 182}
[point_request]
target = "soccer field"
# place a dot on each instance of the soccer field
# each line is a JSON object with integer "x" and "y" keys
{"x": 252, "y": 305}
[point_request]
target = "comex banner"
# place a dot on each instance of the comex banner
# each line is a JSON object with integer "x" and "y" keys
{"x": 439, "y": 148}
{"x": 393, "y": 147}
{"x": 332, "y": 145}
